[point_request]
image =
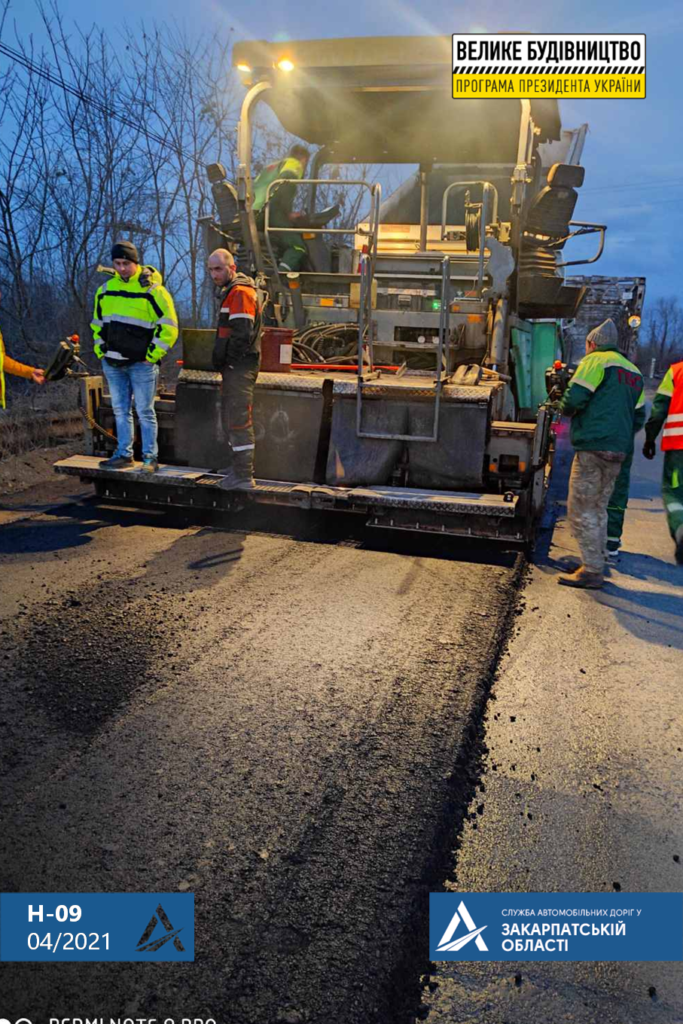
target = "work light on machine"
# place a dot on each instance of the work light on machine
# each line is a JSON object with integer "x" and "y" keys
{"x": 244, "y": 68}
{"x": 634, "y": 322}
{"x": 285, "y": 64}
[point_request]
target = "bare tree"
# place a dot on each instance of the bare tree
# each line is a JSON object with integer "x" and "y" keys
{"x": 104, "y": 139}
{"x": 190, "y": 87}
{"x": 663, "y": 332}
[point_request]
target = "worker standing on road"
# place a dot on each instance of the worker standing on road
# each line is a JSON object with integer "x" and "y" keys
{"x": 134, "y": 326}
{"x": 289, "y": 246}
{"x": 236, "y": 354}
{"x": 9, "y": 365}
{"x": 606, "y": 402}
{"x": 667, "y": 411}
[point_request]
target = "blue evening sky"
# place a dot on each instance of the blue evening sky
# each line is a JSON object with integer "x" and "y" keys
{"x": 634, "y": 178}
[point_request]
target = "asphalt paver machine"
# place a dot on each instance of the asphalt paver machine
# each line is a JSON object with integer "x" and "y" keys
{"x": 421, "y": 332}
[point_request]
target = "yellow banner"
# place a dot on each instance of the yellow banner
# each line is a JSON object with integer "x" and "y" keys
{"x": 594, "y": 87}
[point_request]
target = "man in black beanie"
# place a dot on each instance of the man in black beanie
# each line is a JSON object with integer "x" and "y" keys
{"x": 125, "y": 251}
{"x": 134, "y": 326}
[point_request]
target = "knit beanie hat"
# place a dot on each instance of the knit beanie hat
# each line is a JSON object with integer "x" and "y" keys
{"x": 125, "y": 250}
{"x": 605, "y": 334}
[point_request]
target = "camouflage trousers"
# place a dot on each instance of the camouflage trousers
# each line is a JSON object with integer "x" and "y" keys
{"x": 590, "y": 486}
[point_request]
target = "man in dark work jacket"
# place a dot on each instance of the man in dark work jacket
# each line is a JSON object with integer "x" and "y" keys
{"x": 236, "y": 354}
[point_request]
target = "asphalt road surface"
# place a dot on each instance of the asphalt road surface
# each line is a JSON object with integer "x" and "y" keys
{"x": 282, "y": 721}
{"x": 582, "y": 779}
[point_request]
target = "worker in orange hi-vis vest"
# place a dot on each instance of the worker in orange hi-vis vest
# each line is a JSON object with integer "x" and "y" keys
{"x": 667, "y": 412}
{"x": 236, "y": 353}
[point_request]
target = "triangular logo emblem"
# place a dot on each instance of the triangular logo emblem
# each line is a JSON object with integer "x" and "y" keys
{"x": 149, "y": 945}
{"x": 448, "y": 945}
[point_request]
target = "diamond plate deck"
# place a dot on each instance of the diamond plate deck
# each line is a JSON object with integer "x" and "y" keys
{"x": 456, "y": 503}
{"x": 301, "y": 495}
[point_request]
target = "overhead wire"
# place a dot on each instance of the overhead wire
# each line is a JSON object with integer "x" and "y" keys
{"x": 48, "y": 74}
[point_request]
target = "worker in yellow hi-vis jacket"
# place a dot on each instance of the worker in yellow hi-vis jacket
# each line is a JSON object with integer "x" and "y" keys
{"x": 134, "y": 326}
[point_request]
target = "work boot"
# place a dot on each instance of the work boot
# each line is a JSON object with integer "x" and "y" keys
{"x": 117, "y": 462}
{"x": 149, "y": 464}
{"x": 613, "y": 547}
{"x": 232, "y": 481}
{"x": 679, "y": 545}
{"x": 583, "y": 578}
{"x": 240, "y": 476}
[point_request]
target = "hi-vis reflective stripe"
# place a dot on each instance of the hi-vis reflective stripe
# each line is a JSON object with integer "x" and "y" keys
{"x": 673, "y": 432}
{"x": 162, "y": 344}
{"x": 167, "y": 320}
{"x": 241, "y": 316}
{"x": 134, "y": 320}
{"x": 243, "y": 447}
{"x": 675, "y": 417}
{"x": 584, "y": 383}
{"x": 591, "y": 370}
{"x": 674, "y": 506}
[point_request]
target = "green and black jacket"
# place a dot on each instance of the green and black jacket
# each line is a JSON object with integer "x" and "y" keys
{"x": 606, "y": 402}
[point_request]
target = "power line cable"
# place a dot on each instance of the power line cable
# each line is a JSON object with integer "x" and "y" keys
{"x": 45, "y": 72}
{"x": 50, "y": 76}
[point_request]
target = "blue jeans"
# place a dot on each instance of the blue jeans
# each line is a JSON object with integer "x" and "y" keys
{"x": 139, "y": 381}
